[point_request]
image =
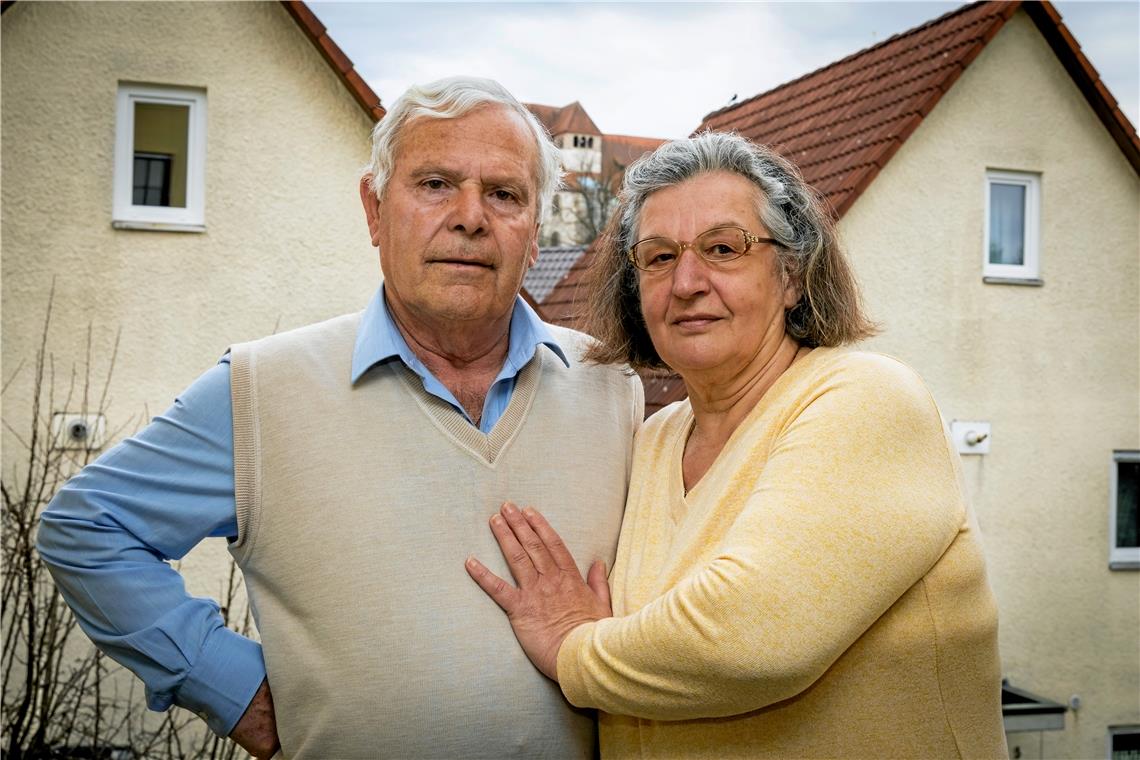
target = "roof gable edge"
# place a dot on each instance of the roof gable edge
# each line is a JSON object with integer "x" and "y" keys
{"x": 1084, "y": 75}
{"x": 317, "y": 34}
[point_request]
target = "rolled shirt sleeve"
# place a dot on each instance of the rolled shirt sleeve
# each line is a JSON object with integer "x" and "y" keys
{"x": 107, "y": 537}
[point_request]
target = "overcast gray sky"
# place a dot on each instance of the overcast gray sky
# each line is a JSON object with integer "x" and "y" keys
{"x": 655, "y": 69}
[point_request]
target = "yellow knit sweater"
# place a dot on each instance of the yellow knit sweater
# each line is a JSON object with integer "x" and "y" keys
{"x": 820, "y": 592}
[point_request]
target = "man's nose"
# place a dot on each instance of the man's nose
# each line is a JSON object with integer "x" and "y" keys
{"x": 690, "y": 275}
{"x": 468, "y": 214}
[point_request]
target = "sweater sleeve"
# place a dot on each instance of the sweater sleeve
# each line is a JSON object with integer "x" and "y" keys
{"x": 857, "y": 500}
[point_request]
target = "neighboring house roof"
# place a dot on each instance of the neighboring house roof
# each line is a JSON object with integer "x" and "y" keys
{"x": 559, "y": 121}
{"x": 551, "y": 267}
{"x": 841, "y": 124}
{"x": 619, "y": 151}
{"x": 335, "y": 57}
{"x": 565, "y": 303}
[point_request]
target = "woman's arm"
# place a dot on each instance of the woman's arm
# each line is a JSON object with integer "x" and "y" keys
{"x": 856, "y": 502}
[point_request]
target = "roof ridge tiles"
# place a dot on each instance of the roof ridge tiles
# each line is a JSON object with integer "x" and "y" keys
{"x": 840, "y": 122}
{"x": 998, "y": 5}
{"x": 828, "y": 89}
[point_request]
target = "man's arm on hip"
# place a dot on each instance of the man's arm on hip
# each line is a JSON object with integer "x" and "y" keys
{"x": 106, "y": 537}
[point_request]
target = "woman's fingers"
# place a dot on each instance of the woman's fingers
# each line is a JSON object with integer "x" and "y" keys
{"x": 596, "y": 580}
{"x": 504, "y": 594}
{"x": 517, "y": 557}
{"x": 530, "y": 541}
{"x": 553, "y": 543}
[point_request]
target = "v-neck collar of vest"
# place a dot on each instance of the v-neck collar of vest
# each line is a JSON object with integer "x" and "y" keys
{"x": 485, "y": 447}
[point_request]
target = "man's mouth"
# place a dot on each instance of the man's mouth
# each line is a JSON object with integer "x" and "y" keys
{"x": 463, "y": 263}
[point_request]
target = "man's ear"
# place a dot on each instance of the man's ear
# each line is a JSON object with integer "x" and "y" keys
{"x": 534, "y": 247}
{"x": 371, "y": 209}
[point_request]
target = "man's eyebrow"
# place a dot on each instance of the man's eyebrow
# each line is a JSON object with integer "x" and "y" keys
{"x": 428, "y": 170}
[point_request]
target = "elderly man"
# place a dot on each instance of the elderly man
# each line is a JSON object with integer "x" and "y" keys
{"x": 353, "y": 464}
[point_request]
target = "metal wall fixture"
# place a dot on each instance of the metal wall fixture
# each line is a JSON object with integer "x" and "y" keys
{"x": 970, "y": 437}
{"x": 72, "y": 430}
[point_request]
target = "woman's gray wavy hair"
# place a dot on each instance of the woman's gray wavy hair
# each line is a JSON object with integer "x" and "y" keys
{"x": 828, "y": 312}
{"x": 451, "y": 98}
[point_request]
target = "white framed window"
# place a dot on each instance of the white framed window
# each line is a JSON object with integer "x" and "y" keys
{"x": 160, "y": 159}
{"x": 1011, "y": 245}
{"x": 1123, "y": 742}
{"x": 1124, "y": 495}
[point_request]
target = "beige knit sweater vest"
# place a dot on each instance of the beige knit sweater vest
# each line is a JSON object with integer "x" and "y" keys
{"x": 357, "y": 505}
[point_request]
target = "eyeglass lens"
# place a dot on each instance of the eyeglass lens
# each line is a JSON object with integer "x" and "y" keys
{"x": 718, "y": 244}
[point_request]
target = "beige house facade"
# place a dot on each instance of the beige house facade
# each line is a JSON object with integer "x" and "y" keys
{"x": 1050, "y": 363}
{"x": 258, "y": 139}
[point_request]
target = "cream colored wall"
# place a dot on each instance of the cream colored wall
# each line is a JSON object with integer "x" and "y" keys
{"x": 1053, "y": 368}
{"x": 285, "y": 245}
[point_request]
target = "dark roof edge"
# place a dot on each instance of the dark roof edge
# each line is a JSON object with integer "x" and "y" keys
{"x": 1085, "y": 76}
{"x": 341, "y": 64}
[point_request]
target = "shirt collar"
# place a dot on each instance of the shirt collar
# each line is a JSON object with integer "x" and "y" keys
{"x": 378, "y": 339}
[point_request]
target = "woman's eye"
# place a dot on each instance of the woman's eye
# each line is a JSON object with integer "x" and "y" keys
{"x": 719, "y": 251}
{"x": 661, "y": 258}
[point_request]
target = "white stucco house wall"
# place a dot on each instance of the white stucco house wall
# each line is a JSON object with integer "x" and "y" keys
{"x": 262, "y": 228}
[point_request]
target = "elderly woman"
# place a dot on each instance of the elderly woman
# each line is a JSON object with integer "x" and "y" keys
{"x": 798, "y": 573}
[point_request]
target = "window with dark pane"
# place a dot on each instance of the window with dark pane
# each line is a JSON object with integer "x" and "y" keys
{"x": 151, "y": 179}
{"x": 1127, "y": 497}
{"x": 1125, "y": 744}
{"x": 160, "y": 148}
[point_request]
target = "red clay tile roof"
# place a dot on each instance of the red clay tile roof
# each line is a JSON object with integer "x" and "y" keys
{"x": 559, "y": 121}
{"x": 331, "y": 52}
{"x": 842, "y": 123}
{"x": 552, "y": 265}
{"x": 619, "y": 151}
{"x": 547, "y": 115}
{"x": 566, "y": 303}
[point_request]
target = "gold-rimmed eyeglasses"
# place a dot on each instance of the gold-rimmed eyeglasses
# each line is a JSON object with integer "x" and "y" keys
{"x": 716, "y": 246}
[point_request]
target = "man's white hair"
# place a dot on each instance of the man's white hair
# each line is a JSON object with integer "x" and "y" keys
{"x": 451, "y": 98}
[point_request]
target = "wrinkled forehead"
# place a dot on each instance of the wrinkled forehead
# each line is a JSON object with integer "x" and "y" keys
{"x": 472, "y": 133}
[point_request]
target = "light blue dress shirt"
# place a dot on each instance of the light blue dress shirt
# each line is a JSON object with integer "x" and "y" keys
{"x": 108, "y": 534}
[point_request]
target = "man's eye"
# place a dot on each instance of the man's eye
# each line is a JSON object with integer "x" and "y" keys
{"x": 503, "y": 195}
{"x": 434, "y": 184}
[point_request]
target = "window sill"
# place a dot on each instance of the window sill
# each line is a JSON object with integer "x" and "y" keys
{"x": 1129, "y": 564}
{"x": 124, "y": 224}
{"x": 1032, "y": 281}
